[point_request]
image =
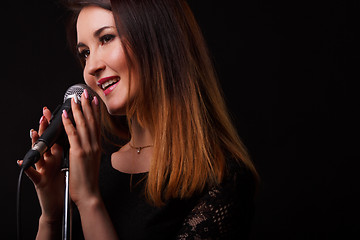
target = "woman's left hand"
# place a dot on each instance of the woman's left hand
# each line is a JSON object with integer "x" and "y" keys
{"x": 85, "y": 150}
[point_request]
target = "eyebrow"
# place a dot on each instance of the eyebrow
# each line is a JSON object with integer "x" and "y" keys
{"x": 95, "y": 34}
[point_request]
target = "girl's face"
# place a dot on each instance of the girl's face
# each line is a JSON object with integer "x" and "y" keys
{"x": 106, "y": 70}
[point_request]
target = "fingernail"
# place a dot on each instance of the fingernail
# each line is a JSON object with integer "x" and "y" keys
{"x": 75, "y": 99}
{"x": 96, "y": 101}
{"x": 19, "y": 162}
{"x": 44, "y": 108}
{"x": 41, "y": 119}
{"x": 31, "y": 133}
{"x": 65, "y": 114}
{"x": 86, "y": 94}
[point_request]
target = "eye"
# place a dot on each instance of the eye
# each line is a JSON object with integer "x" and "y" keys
{"x": 106, "y": 38}
{"x": 84, "y": 54}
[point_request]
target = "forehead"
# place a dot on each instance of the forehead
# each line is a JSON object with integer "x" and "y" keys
{"x": 91, "y": 18}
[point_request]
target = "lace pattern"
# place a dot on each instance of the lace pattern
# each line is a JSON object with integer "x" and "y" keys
{"x": 210, "y": 219}
{"x": 223, "y": 212}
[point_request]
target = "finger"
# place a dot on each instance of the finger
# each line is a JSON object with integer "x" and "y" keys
{"x": 70, "y": 130}
{"x": 34, "y": 136}
{"x": 53, "y": 158}
{"x": 81, "y": 124}
{"x": 86, "y": 107}
{"x": 47, "y": 117}
{"x": 89, "y": 115}
{"x": 56, "y": 150}
{"x": 43, "y": 124}
{"x": 31, "y": 173}
{"x": 47, "y": 114}
{"x": 96, "y": 110}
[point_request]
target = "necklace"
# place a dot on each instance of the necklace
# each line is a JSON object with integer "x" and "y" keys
{"x": 139, "y": 148}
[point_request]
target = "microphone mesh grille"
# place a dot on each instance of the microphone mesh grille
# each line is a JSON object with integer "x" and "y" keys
{"x": 76, "y": 91}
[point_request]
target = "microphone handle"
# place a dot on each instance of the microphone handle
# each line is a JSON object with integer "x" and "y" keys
{"x": 52, "y": 134}
{"x": 55, "y": 129}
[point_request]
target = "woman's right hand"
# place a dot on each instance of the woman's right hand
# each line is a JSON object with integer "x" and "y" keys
{"x": 47, "y": 176}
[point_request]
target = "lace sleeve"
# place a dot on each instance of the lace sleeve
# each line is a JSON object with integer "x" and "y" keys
{"x": 224, "y": 212}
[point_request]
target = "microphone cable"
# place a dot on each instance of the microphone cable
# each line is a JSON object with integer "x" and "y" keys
{"x": 18, "y": 206}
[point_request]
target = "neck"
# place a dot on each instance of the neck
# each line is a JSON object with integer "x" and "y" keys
{"x": 140, "y": 136}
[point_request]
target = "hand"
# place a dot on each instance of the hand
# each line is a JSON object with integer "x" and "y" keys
{"x": 47, "y": 176}
{"x": 85, "y": 150}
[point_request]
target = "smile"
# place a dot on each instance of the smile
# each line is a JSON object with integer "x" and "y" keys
{"x": 108, "y": 84}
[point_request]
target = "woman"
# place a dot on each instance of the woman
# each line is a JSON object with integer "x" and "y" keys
{"x": 183, "y": 172}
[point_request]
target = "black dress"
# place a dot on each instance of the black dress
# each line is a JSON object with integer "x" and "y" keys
{"x": 223, "y": 212}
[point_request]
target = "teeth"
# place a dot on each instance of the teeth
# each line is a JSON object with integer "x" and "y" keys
{"x": 108, "y": 83}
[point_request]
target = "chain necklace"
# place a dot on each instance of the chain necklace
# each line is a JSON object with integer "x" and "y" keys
{"x": 140, "y": 148}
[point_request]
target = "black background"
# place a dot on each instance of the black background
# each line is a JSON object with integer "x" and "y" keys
{"x": 289, "y": 70}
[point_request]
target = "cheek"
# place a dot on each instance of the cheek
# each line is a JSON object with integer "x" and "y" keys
{"x": 117, "y": 61}
{"x": 90, "y": 81}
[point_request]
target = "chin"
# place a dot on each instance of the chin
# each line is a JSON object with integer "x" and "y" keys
{"x": 116, "y": 111}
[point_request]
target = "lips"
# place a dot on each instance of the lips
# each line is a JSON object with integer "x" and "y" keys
{"x": 108, "y": 84}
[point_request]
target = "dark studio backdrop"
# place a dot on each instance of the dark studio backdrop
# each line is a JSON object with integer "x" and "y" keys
{"x": 289, "y": 71}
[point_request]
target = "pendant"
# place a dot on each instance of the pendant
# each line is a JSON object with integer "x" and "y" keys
{"x": 138, "y": 149}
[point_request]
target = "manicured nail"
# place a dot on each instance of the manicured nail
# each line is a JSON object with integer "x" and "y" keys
{"x": 19, "y": 162}
{"x": 96, "y": 101}
{"x": 31, "y": 133}
{"x": 86, "y": 94}
{"x": 75, "y": 99}
{"x": 41, "y": 119}
{"x": 65, "y": 114}
{"x": 44, "y": 108}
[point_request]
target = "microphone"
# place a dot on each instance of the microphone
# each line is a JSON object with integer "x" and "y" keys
{"x": 55, "y": 131}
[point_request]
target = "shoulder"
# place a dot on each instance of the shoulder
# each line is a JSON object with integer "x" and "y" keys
{"x": 224, "y": 211}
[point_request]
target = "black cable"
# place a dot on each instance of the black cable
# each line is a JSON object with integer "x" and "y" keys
{"x": 18, "y": 206}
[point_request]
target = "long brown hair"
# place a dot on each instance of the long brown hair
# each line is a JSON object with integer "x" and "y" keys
{"x": 180, "y": 99}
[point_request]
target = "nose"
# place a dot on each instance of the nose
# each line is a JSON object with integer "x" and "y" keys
{"x": 94, "y": 65}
